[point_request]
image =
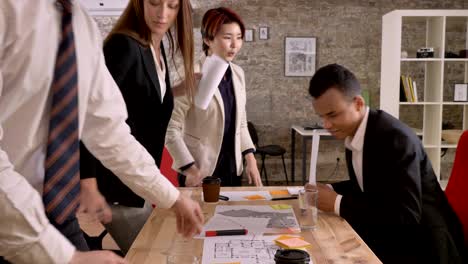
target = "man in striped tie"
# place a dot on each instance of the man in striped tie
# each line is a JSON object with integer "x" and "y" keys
{"x": 62, "y": 176}
{"x": 54, "y": 90}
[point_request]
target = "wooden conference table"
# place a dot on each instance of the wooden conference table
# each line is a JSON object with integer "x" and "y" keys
{"x": 333, "y": 241}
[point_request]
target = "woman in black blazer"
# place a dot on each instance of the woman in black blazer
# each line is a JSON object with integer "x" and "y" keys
{"x": 136, "y": 59}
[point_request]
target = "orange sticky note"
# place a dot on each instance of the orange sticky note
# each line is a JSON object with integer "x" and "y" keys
{"x": 282, "y": 237}
{"x": 293, "y": 243}
{"x": 279, "y": 192}
{"x": 255, "y": 197}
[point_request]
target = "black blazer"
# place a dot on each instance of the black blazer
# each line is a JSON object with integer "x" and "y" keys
{"x": 402, "y": 214}
{"x": 133, "y": 68}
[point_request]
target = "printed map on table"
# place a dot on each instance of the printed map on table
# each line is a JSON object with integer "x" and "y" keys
{"x": 281, "y": 219}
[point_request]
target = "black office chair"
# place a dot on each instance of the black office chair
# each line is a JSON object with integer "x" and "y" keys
{"x": 263, "y": 151}
{"x": 95, "y": 242}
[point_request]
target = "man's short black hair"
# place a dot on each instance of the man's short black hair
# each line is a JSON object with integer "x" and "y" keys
{"x": 334, "y": 76}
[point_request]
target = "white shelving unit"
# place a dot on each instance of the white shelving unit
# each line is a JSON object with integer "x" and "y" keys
{"x": 433, "y": 86}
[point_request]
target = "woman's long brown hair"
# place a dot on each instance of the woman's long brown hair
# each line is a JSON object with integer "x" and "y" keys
{"x": 132, "y": 23}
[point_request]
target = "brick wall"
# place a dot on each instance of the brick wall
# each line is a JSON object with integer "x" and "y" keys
{"x": 347, "y": 31}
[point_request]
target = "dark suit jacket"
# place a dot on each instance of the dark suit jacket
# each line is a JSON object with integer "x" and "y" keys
{"x": 133, "y": 68}
{"x": 402, "y": 214}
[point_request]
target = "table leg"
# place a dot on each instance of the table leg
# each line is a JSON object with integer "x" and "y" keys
{"x": 293, "y": 153}
{"x": 304, "y": 156}
{"x": 313, "y": 159}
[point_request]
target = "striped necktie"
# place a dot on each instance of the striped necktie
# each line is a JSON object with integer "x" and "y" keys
{"x": 62, "y": 174}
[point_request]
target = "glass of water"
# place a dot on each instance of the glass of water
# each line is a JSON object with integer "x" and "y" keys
{"x": 308, "y": 208}
{"x": 184, "y": 251}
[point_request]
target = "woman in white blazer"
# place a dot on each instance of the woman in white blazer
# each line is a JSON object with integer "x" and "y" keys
{"x": 211, "y": 142}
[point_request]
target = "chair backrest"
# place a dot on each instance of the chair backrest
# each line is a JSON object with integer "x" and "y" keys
{"x": 253, "y": 133}
{"x": 457, "y": 186}
{"x": 166, "y": 168}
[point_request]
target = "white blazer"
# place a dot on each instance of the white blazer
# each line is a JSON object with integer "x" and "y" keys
{"x": 196, "y": 135}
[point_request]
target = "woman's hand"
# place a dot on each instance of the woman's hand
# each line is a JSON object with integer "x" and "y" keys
{"x": 194, "y": 177}
{"x": 251, "y": 170}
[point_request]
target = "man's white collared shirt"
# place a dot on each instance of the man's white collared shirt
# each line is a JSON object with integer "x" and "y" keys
{"x": 29, "y": 37}
{"x": 356, "y": 145}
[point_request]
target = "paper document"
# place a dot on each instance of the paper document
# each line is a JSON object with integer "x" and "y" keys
{"x": 247, "y": 195}
{"x": 213, "y": 70}
{"x": 281, "y": 219}
{"x": 254, "y": 226}
{"x": 240, "y": 250}
{"x": 295, "y": 190}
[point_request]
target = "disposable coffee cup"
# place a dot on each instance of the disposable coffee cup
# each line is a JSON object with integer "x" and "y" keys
{"x": 292, "y": 256}
{"x": 211, "y": 186}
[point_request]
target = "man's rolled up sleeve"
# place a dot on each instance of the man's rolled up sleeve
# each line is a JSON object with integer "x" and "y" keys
{"x": 26, "y": 236}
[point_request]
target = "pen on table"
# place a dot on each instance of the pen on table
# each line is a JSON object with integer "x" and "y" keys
{"x": 284, "y": 198}
{"x": 224, "y": 198}
{"x": 231, "y": 232}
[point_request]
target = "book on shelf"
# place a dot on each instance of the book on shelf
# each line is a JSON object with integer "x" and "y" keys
{"x": 408, "y": 90}
{"x": 402, "y": 90}
{"x": 415, "y": 92}
{"x": 410, "y": 85}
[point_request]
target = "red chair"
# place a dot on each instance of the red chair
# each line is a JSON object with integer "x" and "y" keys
{"x": 457, "y": 186}
{"x": 166, "y": 168}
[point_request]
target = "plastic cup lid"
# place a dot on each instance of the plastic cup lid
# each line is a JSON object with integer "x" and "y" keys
{"x": 211, "y": 180}
{"x": 292, "y": 255}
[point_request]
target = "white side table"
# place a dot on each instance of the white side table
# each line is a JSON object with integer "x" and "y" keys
{"x": 315, "y": 135}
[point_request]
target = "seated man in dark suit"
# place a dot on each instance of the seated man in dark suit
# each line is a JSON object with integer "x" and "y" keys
{"x": 392, "y": 199}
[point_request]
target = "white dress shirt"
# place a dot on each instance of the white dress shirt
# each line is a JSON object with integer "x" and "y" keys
{"x": 161, "y": 71}
{"x": 29, "y": 37}
{"x": 356, "y": 145}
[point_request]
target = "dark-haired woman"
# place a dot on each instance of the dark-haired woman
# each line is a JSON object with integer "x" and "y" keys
{"x": 212, "y": 141}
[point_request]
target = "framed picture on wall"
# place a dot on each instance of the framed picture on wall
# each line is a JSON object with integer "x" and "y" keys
{"x": 299, "y": 56}
{"x": 263, "y": 33}
{"x": 460, "y": 92}
{"x": 248, "y": 35}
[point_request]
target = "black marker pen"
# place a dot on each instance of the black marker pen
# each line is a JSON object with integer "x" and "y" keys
{"x": 284, "y": 198}
{"x": 231, "y": 232}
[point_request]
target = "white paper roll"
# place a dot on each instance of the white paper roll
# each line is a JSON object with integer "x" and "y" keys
{"x": 212, "y": 72}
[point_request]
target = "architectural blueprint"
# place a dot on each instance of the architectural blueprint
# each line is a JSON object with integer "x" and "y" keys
{"x": 239, "y": 249}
